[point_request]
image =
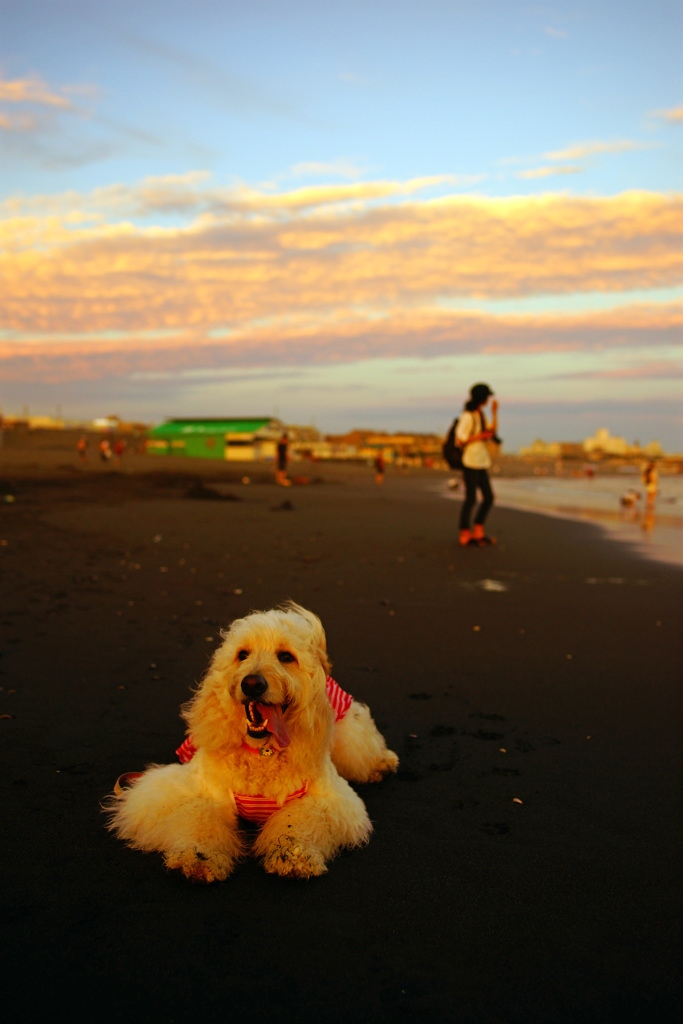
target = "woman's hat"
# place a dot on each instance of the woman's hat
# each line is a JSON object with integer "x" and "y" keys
{"x": 480, "y": 392}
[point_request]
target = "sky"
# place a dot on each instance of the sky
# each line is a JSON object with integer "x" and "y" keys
{"x": 344, "y": 214}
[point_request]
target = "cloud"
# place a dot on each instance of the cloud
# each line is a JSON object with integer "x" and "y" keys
{"x": 663, "y": 369}
{"x": 344, "y": 272}
{"x": 579, "y": 151}
{"x": 44, "y": 100}
{"x": 548, "y": 172}
{"x": 344, "y": 338}
{"x": 18, "y": 123}
{"x": 76, "y": 263}
{"x": 326, "y": 195}
{"x": 191, "y": 193}
{"x": 31, "y": 90}
{"x": 49, "y": 133}
{"x": 584, "y": 149}
{"x": 674, "y": 115}
{"x": 556, "y": 33}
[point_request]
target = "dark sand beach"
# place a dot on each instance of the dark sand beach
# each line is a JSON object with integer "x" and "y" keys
{"x": 525, "y": 864}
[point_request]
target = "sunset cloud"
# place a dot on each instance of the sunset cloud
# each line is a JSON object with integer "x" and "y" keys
{"x": 584, "y": 149}
{"x": 49, "y": 126}
{"x": 31, "y": 112}
{"x": 99, "y": 285}
{"x": 323, "y": 195}
{"x": 548, "y": 172}
{"x": 343, "y": 338}
{"x": 662, "y": 369}
{"x": 31, "y": 90}
{"x": 18, "y": 123}
{"x": 192, "y": 193}
{"x": 250, "y": 256}
{"x": 16, "y": 94}
{"x": 675, "y": 114}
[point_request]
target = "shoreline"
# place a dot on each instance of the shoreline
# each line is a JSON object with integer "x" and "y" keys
{"x": 655, "y": 533}
{"x": 660, "y": 538}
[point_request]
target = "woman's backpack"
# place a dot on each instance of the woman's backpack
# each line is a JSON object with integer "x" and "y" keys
{"x": 451, "y": 451}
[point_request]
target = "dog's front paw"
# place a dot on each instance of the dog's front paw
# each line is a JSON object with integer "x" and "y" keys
{"x": 386, "y": 766}
{"x": 289, "y": 857}
{"x": 200, "y": 867}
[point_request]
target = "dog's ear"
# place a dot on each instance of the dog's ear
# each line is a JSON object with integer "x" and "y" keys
{"x": 208, "y": 717}
{"x": 319, "y": 640}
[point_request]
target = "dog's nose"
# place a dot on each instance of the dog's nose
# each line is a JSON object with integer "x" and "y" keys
{"x": 254, "y": 686}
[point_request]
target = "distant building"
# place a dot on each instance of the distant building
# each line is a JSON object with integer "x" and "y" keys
{"x": 302, "y": 434}
{"x": 33, "y": 422}
{"x": 106, "y": 423}
{"x": 571, "y": 450}
{"x": 602, "y": 443}
{"x": 542, "y": 450}
{"x": 553, "y": 450}
{"x": 399, "y": 449}
{"x": 233, "y": 439}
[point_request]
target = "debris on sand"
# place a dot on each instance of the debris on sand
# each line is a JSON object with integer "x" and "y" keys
{"x": 200, "y": 491}
{"x": 493, "y": 585}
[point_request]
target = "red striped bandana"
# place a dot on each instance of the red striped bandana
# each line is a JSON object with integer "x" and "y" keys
{"x": 259, "y": 808}
{"x": 186, "y": 751}
{"x": 338, "y": 698}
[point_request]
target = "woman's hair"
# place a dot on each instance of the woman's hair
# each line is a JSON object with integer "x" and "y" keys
{"x": 472, "y": 406}
{"x": 479, "y": 394}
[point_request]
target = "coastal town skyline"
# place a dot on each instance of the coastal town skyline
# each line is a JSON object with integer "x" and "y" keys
{"x": 603, "y": 443}
{"x": 344, "y": 216}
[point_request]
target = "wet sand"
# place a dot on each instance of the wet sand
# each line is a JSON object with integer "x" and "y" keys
{"x": 525, "y": 861}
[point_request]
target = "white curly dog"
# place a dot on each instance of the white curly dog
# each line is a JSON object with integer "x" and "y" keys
{"x": 272, "y": 739}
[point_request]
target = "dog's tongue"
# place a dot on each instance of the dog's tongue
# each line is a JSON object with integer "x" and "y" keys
{"x": 274, "y": 722}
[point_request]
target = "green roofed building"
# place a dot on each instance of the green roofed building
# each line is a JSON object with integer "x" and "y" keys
{"x": 243, "y": 440}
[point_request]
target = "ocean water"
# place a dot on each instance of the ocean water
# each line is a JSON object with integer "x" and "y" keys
{"x": 656, "y": 531}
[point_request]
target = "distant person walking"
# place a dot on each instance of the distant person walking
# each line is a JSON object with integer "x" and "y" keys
{"x": 472, "y": 434}
{"x": 105, "y": 450}
{"x": 379, "y": 468}
{"x": 82, "y": 448}
{"x": 282, "y": 458}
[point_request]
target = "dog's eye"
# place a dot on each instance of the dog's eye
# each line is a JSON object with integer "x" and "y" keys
{"x": 242, "y": 655}
{"x": 286, "y": 657}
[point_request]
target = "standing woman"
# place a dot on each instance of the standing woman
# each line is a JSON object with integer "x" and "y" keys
{"x": 471, "y": 434}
